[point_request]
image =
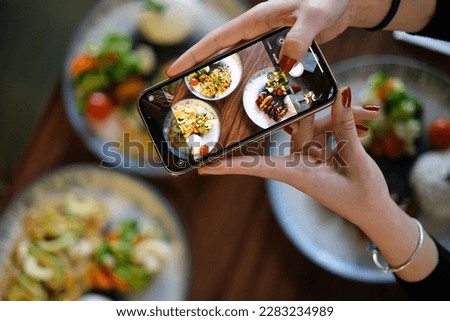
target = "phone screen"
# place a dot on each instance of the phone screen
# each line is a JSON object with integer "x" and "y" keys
{"x": 230, "y": 101}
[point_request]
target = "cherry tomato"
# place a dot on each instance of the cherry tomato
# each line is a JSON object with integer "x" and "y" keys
{"x": 377, "y": 148}
{"x": 296, "y": 88}
{"x": 393, "y": 147}
{"x": 194, "y": 82}
{"x": 204, "y": 150}
{"x": 99, "y": 105}
{"x": 439, "y": 133}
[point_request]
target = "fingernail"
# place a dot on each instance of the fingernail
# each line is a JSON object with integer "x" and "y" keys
{"x": 371, "y": 107}
{"x": 364, "y": 128}
{"x": 288, "y": 130}
{"x": 286, "y": 64}
{"x": 347, "y": 97}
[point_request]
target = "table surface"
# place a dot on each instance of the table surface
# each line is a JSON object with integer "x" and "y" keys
{"x": 238, "y": 250}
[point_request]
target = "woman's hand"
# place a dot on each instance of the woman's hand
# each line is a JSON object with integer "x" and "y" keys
{"x": 345, "y": 180}
{"x": 310, "y": 20}
{"x": 321, "y": 20}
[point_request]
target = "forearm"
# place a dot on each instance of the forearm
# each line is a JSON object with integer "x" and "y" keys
{"x": 396, "y": 236}
{"x": 412, "y": 15}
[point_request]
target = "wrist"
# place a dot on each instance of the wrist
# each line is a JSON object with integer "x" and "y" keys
{"x": 396, "y": 235}
{"x": 412, "y": 15}
{"x": 384, "y": 213}
{"x": 367, "y": 13}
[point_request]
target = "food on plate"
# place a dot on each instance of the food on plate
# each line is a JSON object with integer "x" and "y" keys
{"x": 271, "y": 99}
{"x": 98, "y": 106}
{"x": 430, "y": 181}
{"x": 66, "y": 250}
{"x": 439, "y": 133}
{"x": 53, "y": 255}
{"x": 164, "y": 22}
{"x": 211, "y": 82}
{"x": 107, "y": 79}
{"x": 394, "y": 133}
{"x": 190, "y": 127}
{"x": 132, "y": 253}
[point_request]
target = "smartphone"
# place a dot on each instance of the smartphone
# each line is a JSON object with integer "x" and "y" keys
{"x": 231, "y": 100}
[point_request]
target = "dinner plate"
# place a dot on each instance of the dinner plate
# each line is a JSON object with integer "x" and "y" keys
{"x": 324, "y": 237}
{"x": 210, "y": 139}
{"x": 121, "y": 16}
{"x": 126, "y": 197}
{"x": 235, "y": 66}
{"x": 254, "y": 86}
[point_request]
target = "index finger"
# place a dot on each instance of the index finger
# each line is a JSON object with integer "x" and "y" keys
{"x": 260, "y": 19}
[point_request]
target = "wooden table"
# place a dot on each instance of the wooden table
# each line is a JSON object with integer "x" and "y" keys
{"x": 238, "y": 250}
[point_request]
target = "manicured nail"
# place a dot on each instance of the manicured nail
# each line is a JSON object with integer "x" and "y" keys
{"x": 347, "y": 97}
{"x": 288, "y": 129}
{"x": 286, "y": 64}
{"x": 371, "y": 107}
{"x": 361, "y": 127}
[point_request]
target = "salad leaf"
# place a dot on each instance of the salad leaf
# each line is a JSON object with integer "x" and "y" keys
{"x": 117, "y": 43}
{"x": 93, "y": 81}
{"x": 153, "y": 5}
{"x": 136, "y": 276}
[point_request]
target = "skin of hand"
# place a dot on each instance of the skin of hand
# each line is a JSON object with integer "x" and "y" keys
{"x": 310, "y": 20}
{"x": 349, "y": 183}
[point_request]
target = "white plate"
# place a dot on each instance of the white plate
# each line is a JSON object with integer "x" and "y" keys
{"x": 254, "y": 86}
{"x": 125, "y": 197}
{"x": 209, "y": 139}
{"x": 320, "y": 234}
{"x": 121, "y": 16}
{"x": 235, "y": 65}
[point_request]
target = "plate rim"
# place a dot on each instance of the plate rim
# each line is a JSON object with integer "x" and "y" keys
{"x": 369, "y": 60}
{"x": 256, "y": 75}
{"x": 300, "y": 243}
{"x": 7, "y": 214}
{"x": 305, "y": 245}
{"x": 200, "y": 96}
{"x": 154, "y": 167}
{"x": 169, "y": 118}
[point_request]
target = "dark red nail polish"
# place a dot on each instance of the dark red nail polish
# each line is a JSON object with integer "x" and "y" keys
{"x": 371, "y": 107}
{"x": 347, "y": 97}
{"x": 286, "y": 64}
{"x": 362, "y": 127}
{"x": 288, "y": 130}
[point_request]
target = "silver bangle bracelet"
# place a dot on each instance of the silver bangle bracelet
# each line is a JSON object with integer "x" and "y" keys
{"x": 373, "y": 250}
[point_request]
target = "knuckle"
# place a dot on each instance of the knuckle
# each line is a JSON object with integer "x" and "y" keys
{"x": 347, "y": 124}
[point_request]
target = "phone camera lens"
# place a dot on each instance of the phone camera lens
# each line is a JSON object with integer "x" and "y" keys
{"x": 151, "y": 98}
{"x": 280, "y": 41}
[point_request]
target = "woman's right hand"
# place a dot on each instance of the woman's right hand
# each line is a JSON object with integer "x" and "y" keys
{"x": 320, "y": 20}
{"x": 309, "y": 20}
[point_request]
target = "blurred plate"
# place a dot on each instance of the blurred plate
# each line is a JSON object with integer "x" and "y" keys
{"x": 121, "y": 16}
{"x": 254, "y": 86}
{"x": 210, "y": 139}
{"x": 125, "y": 197}
{"x": 235, "y": 66}
{"x": 320, "y": 234}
